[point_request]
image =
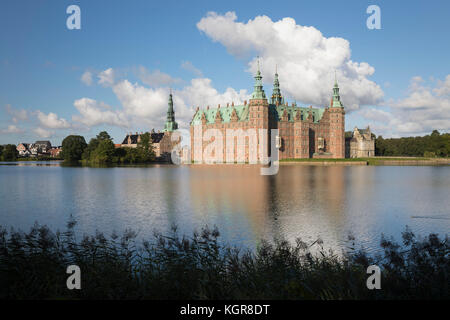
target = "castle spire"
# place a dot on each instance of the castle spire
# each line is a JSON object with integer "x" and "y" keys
{"x": 170, "y": 124}
{"x": 276, "y": 93}
{"x": 336, "y": 100}
{"x": 258, "y": 92}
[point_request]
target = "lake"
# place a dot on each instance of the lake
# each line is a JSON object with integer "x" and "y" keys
{"x": 326, "y": 202}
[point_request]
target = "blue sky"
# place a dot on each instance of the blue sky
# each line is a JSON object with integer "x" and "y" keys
{"x": 42, "y": 62}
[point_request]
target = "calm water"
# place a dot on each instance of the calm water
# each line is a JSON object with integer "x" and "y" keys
{"x": 300, "y": 201}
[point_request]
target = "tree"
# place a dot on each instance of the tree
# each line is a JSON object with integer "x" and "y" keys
{"x": 9, "y": 153}
{"x": 1, "y": 150}
{"x": 145, "y": 148}
{"x": 73, "y": 147}
{"x": 103, "y": 136}
{"x": 100, "y": 149}
{"x": 103, "y": 153}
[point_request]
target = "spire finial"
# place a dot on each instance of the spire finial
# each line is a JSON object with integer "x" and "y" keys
{"x": 335, "y": 77}
{"x": 276, "y": 68}
{"x": 258, "y": 93}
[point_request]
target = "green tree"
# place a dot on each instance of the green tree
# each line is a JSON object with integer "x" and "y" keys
{"x": 104, "y": 152}
{"x": 380, "y": 146}
{"x": 73, "y": 147}
{"x": 101, "y": 150}
{"x": 145, "y": 148}
{"x": 103, "y": 136}
{"x": 9, "y": 153}
{"x": 93, "y": 145}
{"x": 1, "y": 150}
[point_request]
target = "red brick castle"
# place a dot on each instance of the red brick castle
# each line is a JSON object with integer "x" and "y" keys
{"x": 302, "y": 132}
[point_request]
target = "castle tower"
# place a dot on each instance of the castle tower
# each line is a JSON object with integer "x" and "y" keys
{"x": 277, "y": 98}
{"x": 259, "y": 110}
{"x": 171, "y": 124}
{"x": 337, "y": 124}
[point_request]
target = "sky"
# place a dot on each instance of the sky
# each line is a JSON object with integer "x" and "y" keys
{"x": 115, "y": 72}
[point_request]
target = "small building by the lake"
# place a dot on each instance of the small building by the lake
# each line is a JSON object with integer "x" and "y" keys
{"x": 361, "y": 144}
{"x": 162, "y": 142}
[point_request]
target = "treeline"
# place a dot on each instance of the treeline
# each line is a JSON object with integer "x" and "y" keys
{"x": 8, "y": 153}
{"x": 430, "y": 146}
{"x": 101, "y": 150}
{"x": 170, "y": 266}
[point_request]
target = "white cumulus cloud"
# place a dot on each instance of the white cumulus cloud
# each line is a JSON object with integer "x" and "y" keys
{"x": 94, "y": 113}
{"x": 106, "y": 78}
{"x": 424, "y": 109}
{"x": 52, "y": 121}
{"x": 306, "y": 59}
{"x": 43, "y": 133}
{"x": 12, "y": 129}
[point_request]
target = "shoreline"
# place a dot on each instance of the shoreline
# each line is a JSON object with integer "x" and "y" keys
{"x": 382, "y": 161}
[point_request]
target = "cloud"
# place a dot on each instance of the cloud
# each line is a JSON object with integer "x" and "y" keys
{"x": 94, "y": 113}
{"x": 12, "y": 129}
{"x": 155, "y": 78}
{"x": 43, "y": 133}
{"x": 376, "y": 115}
{"x": 424, "y": 109}
{"x": 17, "y": 115}
{"x": 306, "y": 59}
{"x": 149, "y": 105}
{"x": 86, "y": 78}
{"x": 52, "y": 121}
{"x": 188, "y": 66}
{"x": 106, "y": 77}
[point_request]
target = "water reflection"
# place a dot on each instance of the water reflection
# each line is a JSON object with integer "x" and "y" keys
{"x": 300, "y": 201}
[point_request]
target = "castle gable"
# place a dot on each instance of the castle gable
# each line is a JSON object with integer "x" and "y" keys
{"x": 295, "y": 112}
{"x": 225, "y": 113}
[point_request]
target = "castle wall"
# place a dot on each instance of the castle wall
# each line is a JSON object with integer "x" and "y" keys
{"x": 299, "y": 139}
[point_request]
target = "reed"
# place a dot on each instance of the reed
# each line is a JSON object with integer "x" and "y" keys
{"x": 172, "y": 266}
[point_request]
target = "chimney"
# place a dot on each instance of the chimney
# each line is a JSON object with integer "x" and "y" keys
{"x": 218, "y": 106}
{"x": 207, "y": 108}
{"x": 245, "y": 102}
{"x": 232, "y": 104}
{"x": 228, "y": 104}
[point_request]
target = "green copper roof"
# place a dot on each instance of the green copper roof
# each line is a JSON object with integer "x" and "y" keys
{"x": 276, "y": 93}
{"x": 258, "y": 93}
{"x": 171, "y": 124}
{"x": 293, "y": 110}
{"x": 225, "y": 113}
{"x": 336, "y": 100}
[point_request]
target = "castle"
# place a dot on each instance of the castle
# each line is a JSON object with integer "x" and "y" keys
{"x": 302, "y": 132}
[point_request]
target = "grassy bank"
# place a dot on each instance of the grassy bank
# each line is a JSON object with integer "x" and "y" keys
{"x": 33, "y": 266}
{"x": 375, "y": 161}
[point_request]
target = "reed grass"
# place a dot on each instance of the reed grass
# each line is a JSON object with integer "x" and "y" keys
{"x": 171, "y": 266}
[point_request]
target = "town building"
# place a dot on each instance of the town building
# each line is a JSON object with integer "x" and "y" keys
{"x": 302, "y": 132}
{"x": 41, "y": 147}
{"x": 162, "y": 142}
{"x": 54, "y": 152}
{"x": 24, "y": 149}
{"x": 361, "y": 144}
